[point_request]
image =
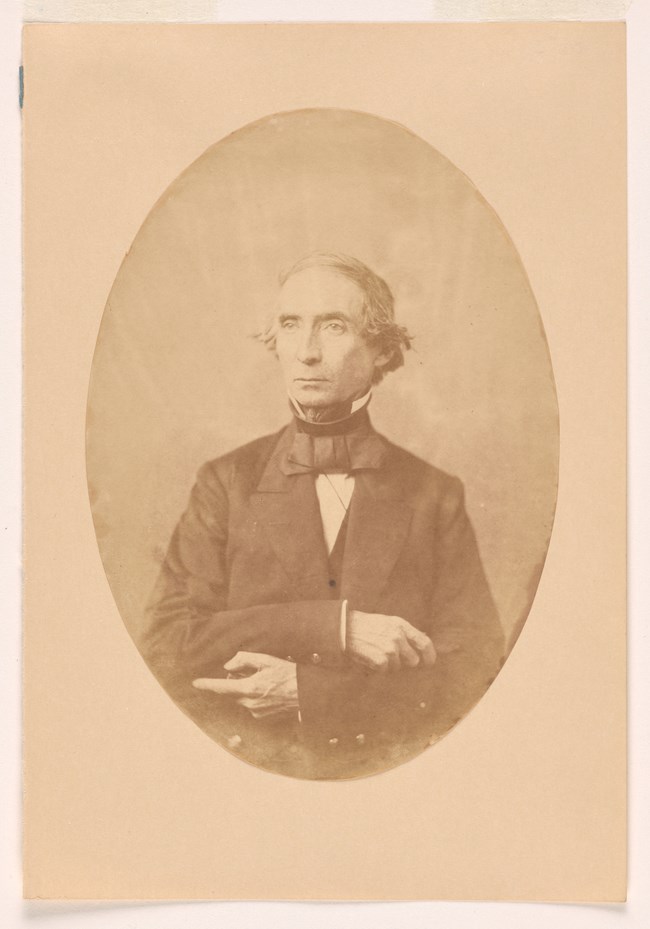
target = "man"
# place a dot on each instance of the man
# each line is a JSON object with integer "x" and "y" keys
{"x": 322, "y": 609}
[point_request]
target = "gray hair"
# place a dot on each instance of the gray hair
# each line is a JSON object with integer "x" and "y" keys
{"x": 379, "y": 326}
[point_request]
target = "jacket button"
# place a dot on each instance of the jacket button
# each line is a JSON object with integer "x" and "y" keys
{"x": 234, "y": 741}
{"x": 316, "y": 658}
{"x": 334, "y": 742}
{"x": 360, "y": 739}
{"x": 289, "y": 658}
{"x": 422, "y": 705}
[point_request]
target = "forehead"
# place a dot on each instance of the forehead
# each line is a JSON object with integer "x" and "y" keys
{"x": 316, "y": 291}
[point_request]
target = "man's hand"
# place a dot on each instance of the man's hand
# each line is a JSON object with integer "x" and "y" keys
{"x": 270, "y": 687}
{"x": 387, "y": 643}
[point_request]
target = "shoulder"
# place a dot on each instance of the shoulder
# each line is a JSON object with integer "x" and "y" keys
{"x": 246, "y": 462}
{"x": 420, "y": 479}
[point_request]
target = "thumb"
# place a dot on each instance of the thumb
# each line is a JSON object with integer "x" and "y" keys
{"x": 245, "y": 661}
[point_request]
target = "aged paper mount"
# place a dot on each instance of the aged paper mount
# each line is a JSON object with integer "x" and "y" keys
{"x": 117, "y": 780}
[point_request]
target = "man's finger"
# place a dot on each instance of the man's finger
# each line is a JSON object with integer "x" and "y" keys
{"x": 424, "y": 645}
{"x": 258, "y": 707}
{"x": 428, "y": 654}
{"x": 408, "y": 655}
{"x": 259, "y": 710}
{"x": 250, "y": 703}
{"x": 244, "y": 661}
{"x": 378, "y": 663}
{"x": 221, "y": 685}
{"x": 394, "y": 663}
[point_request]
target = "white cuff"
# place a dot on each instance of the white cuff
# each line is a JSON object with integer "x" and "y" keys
{"x": 343, "y": 628}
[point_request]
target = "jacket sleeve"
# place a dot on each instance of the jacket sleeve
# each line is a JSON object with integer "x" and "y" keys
{"x": 188, "y": 631}
{"x": 465, "y": 626}
{"x": 465, "y": 629}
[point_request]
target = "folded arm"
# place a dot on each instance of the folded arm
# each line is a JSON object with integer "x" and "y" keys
{"x": 188, "y": 630}
{"x": 465, "y": 626}
{"x": 468, "y": 650}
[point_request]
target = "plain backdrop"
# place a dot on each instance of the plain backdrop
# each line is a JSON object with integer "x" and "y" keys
{"x": 178, "y": 377}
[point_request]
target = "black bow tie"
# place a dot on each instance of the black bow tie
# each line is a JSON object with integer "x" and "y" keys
{"x": 334, "y": 453}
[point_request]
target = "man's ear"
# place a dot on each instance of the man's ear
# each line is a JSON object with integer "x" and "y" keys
{"x": 382, "y": 359}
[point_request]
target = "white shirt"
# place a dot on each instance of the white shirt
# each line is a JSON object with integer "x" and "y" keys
{"x": 334, "y": 492}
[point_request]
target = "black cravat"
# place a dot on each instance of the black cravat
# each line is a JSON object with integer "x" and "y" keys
{"x": 343, "y": 447}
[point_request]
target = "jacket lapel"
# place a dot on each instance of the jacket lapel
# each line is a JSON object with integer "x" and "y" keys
{"x": 287, "y": 509}
{"x": 379, "y": 521}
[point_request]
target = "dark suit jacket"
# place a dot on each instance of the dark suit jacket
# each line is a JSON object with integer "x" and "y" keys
{"x": 247, "y": 569}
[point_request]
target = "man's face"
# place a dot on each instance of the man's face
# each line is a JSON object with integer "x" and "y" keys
{"x": 324, "y": 357}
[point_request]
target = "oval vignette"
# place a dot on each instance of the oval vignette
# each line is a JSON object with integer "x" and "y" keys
{"x": 179, "y": 379}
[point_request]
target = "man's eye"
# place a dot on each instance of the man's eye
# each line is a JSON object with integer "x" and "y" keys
{"x": 289, "y": 324}
{"x": 334, "y": 326}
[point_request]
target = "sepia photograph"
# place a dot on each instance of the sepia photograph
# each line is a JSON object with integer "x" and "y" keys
{"x": 324, "y": 465}
{"x": 322, "y": 443}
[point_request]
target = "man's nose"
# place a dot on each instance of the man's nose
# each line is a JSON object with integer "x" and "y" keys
{"x": 309, "y": 350}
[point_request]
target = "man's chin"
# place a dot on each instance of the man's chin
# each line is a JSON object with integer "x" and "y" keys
{"x": 313, "y": 397}
{"x": 322, "y": 409}
{"x": 309, "y": 402}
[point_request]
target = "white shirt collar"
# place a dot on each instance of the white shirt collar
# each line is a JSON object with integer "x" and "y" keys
{"x": 356, "y": 404}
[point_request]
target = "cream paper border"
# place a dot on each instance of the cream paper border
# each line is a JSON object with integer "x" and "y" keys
{"x": 525, "y": 799}
{"x": 637, "y": 911}
{"x": 559, "y": 916}
{"x": 207, "y": 11}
